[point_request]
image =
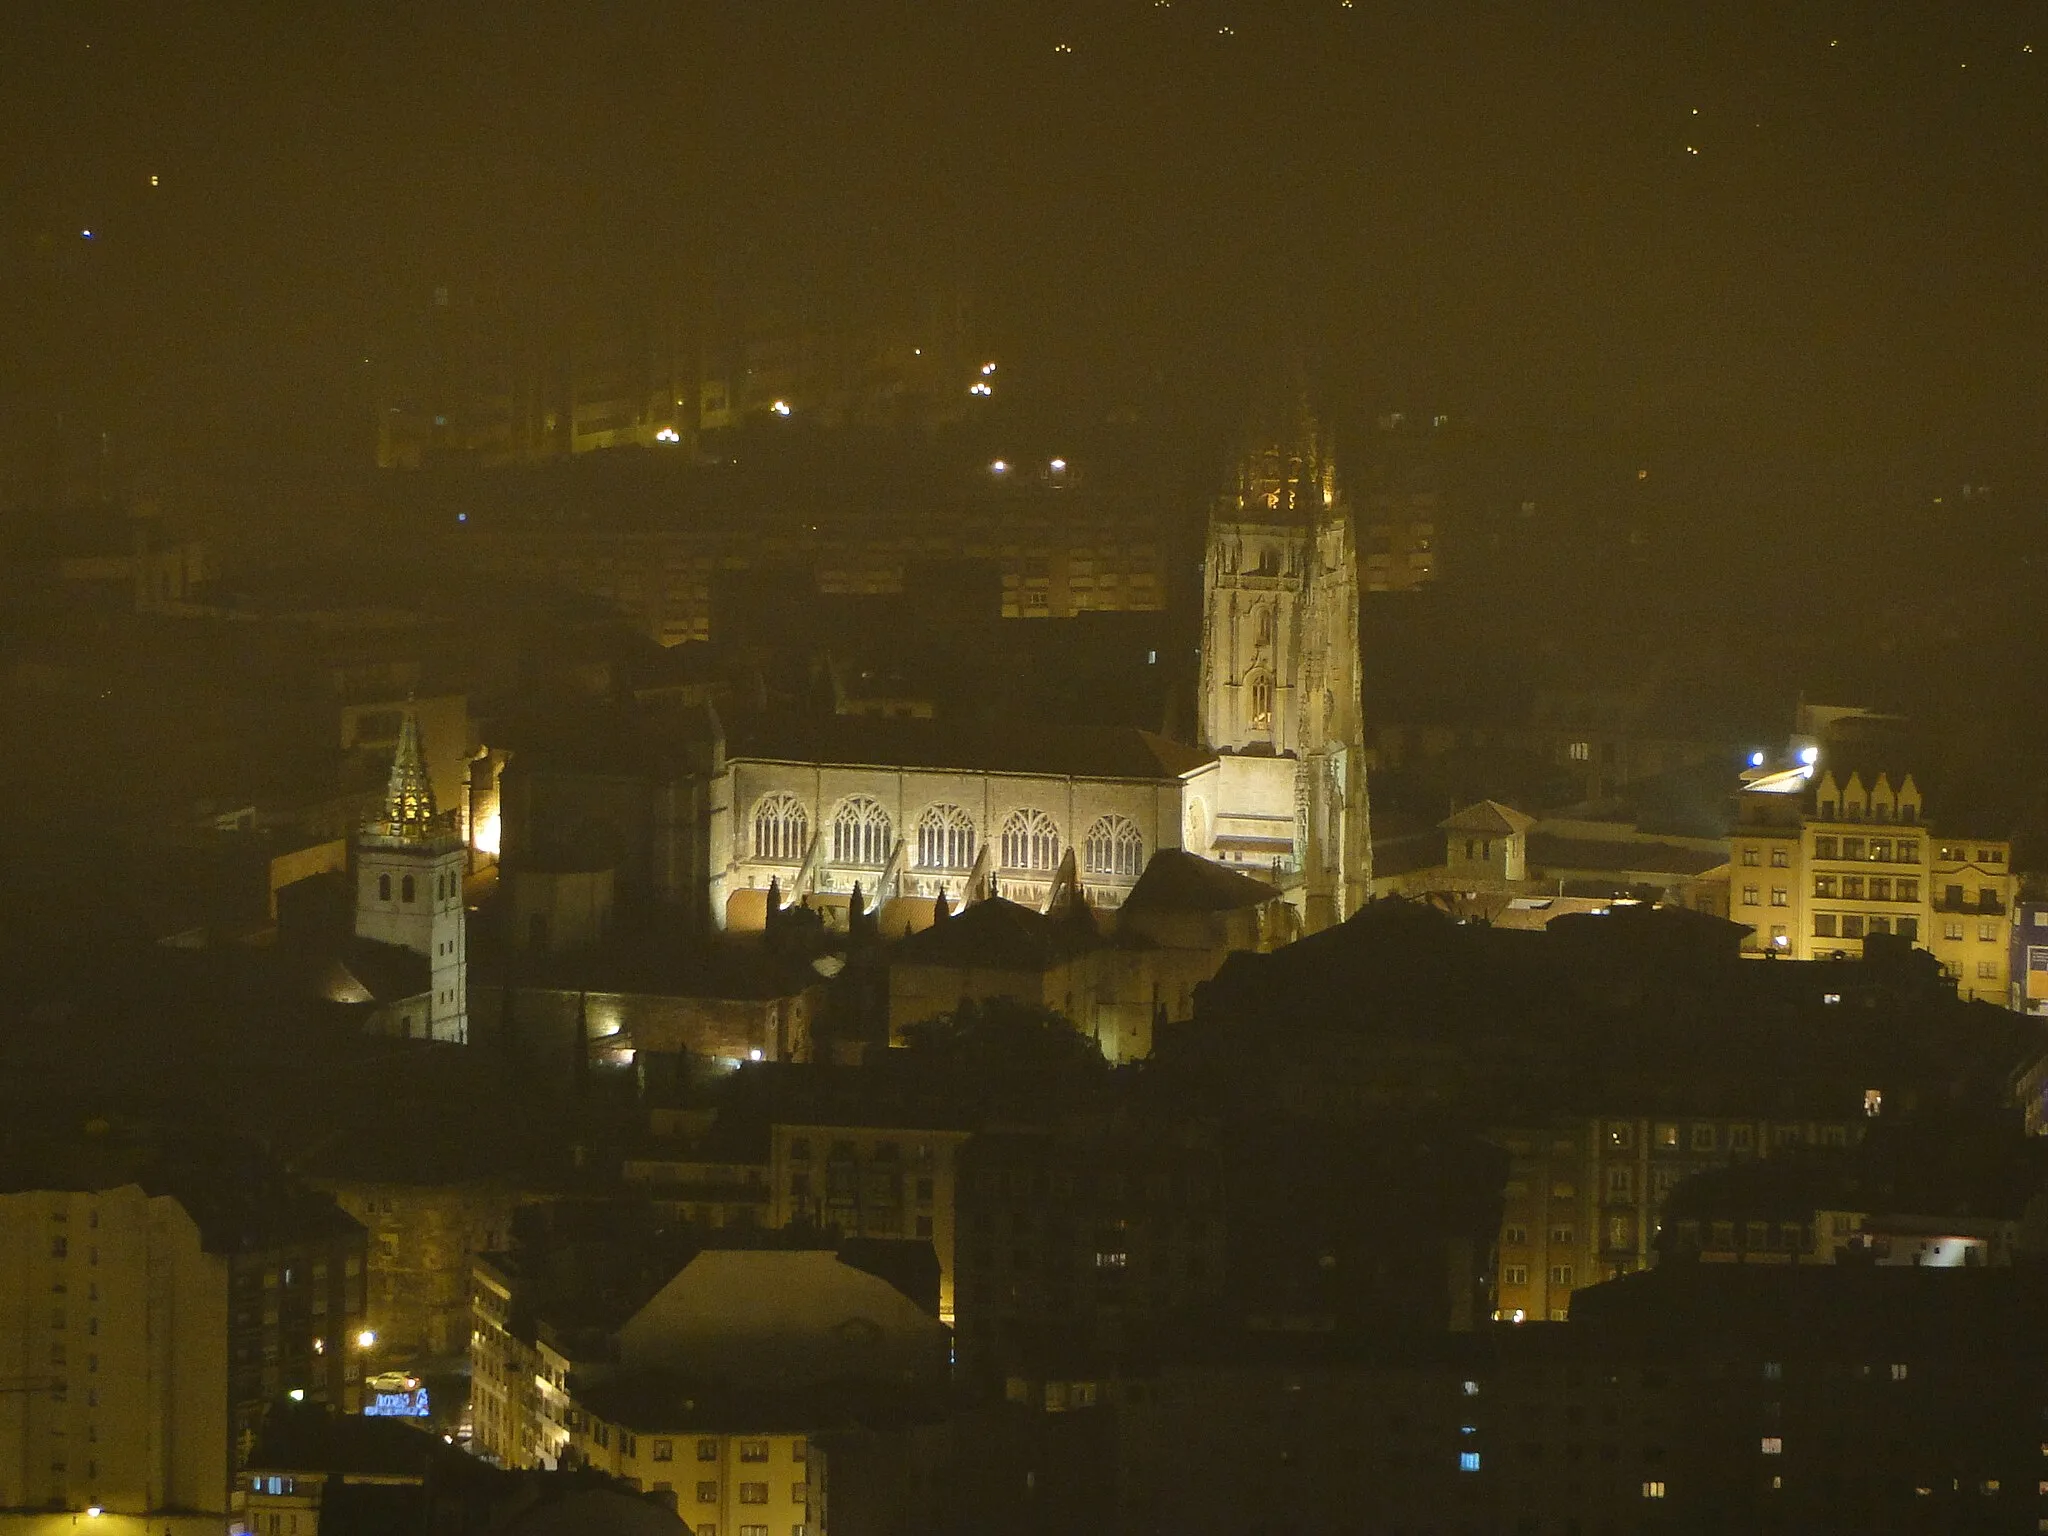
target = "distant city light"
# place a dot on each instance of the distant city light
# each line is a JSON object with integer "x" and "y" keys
{"x": 1810, "y": 755}
{"x": 668, "y": 435}
{"x": 979, "y": 388}
{"x": 1059, "y": 466}
{"x": 152, "y": 181}
{"x": 85, "y": 234}
{"x": 462, "y": 517}
{"x": 297, "y": 1394}
{"x": 780, "y": 407}
{"x": 754, "y": 1054}
{"x": 367, "y": 1339}
{"x": 987, "y": 368}
{"x": 94, "y": 1511}
{"x": 999, "y": 467}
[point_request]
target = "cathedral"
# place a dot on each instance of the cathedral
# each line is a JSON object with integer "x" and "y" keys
{"x": 824, "y": 811}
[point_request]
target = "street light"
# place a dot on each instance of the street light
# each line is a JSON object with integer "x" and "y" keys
{"x": 367, "y": 1339}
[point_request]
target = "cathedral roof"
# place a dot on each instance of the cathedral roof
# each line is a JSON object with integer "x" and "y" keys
{"x": 1075, "y": 751}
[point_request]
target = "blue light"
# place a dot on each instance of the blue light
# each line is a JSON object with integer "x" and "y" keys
{"x": 1468, "y": 1461}
{"x": 85, "y": 234}
{"x": 398, "y": 1405}
{"x": 462, "y": 517}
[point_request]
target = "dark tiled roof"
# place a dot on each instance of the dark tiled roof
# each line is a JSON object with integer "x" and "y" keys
{"x": 1490, "y": 818}
{"x": 388, "y": 972}
{"x": 1178, "y": 881}
{"x": 653, "y": 1401}
{"x": 306, "y": 1438}
{"x": 1550, "y": 852}
{"x": 994, "y": 934}
{"x": 1076, "y": 751}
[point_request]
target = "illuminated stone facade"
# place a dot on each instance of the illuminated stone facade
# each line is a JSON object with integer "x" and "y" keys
{"x": 1279, "y": 694}
{"x": 408, "y": 884}
{"x": 902, "y": 814}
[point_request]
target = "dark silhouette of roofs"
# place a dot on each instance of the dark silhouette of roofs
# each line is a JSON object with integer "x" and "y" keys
{"x": 1178, "y": 881}
{"x": 997, "y": 935}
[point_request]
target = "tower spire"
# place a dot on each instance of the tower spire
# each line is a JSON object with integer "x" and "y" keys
{"x": 409, "y": 797}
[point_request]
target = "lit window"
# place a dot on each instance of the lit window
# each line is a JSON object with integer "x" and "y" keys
{"x": 1262, "y": 703}
{"x": 862, "y": 834}
{"x": 1468, "y": 1461}
{"x": 782, "y": 829}
{"x": 1030, "y": 840}
{"x": 1653, "y": 1490}
{"x": 1773, "y": 1445}
{"x": 945, "y": 838}
{"x": 1114, "y": 847}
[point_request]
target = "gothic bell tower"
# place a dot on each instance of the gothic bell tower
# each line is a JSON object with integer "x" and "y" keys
{"x": 409, "y": 863}
{"x": 1280, "y": 659}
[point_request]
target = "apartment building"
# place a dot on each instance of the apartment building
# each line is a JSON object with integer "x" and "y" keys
{"x": 1585, "y": 1196}
{"x": 1824, "y": 856}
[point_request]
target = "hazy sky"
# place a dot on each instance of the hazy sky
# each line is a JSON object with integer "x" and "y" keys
{"x": 1735, "y": 240}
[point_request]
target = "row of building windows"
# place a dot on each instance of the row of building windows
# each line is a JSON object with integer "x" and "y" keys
{"x": 1876, "y": 850}
{"x": 1876, "y": 810}
{"x": 408, "y": 888}
{"x": 864, "y": 835}
{"x": 707, "y": 1450}
{"x": 1857, "y": 925}
{"x": 1854, "y": 887}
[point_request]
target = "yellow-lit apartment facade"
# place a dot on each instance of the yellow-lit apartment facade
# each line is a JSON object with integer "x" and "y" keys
{"x": 767, "y": 1482}
{"x": 1820, "y": 862}
{"x": 114, "y": 1365}
{"x": 1585, "y": 1195}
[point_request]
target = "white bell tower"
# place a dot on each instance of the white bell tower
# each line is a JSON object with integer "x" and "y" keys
{"x": 409, "y": 864}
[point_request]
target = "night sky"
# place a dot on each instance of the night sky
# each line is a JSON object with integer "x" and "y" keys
{"x": 1786, "y": 251}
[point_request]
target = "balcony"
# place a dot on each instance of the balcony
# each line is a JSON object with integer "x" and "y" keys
{"x": 1964, "y": 906}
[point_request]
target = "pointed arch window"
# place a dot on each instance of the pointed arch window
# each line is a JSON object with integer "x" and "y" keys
{"x": 1262, "y": 702}
{"x": 945, "y": 838}
{"x": 862, "y": 833}
{"x": 1114, "y": 847}
{"x": 1030, "y": 841}
{"x": 383, "y": 887}
{"x": 782, "y": 829}
{"x": 406, "y": 889}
